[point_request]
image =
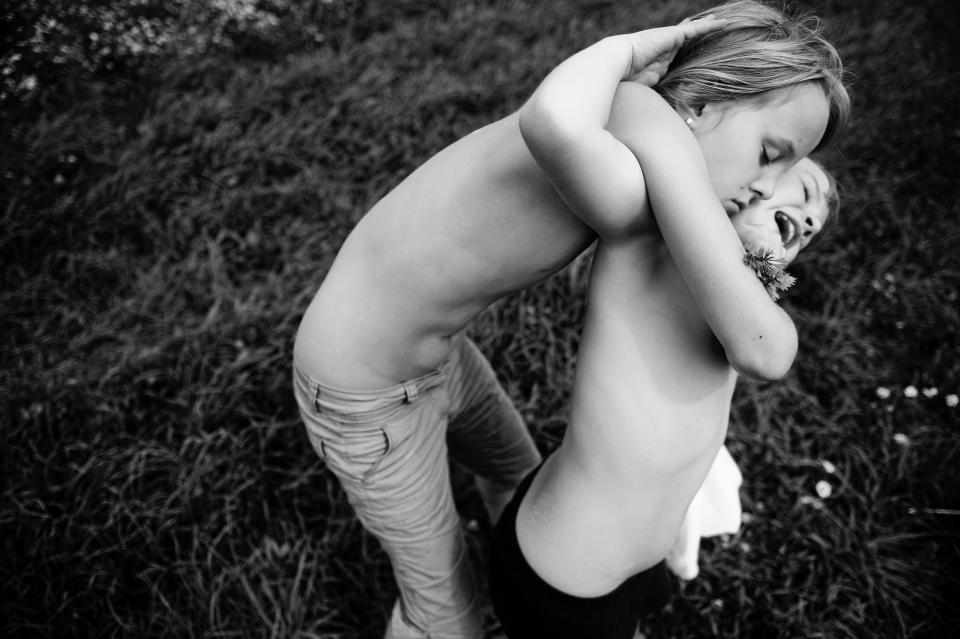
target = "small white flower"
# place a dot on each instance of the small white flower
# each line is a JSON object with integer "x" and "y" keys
{"x": 930, "y": 392}
{"x": 910, "y": 391}
{"x": 828, "y": 467}
{"x": 807, "y": 500}
{"x": 883, "y": 392}
{"x": 901, "y": 439}
{"x": 824, "y": 489}
{"x": 952, "y": 400}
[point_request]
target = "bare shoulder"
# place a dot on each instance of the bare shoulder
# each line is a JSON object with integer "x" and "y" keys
{"x": 485, "y": 158}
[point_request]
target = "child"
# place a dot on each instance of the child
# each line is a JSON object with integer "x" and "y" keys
{"x": 385, "y": 378}
{"x": 715, "y": 509}
{"x": 579, "y": 551}
{"x": 670, "y": 322}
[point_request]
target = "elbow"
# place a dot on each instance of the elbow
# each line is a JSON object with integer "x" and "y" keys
{"x": 544, "y": 129}
{"x": 764, "y": 359}
{"x": 535, "y": 124}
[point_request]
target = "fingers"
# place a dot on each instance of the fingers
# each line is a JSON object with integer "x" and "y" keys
{"x": 699, "y": 26}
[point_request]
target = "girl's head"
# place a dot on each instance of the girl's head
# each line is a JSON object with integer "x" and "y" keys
{"x": 761, "y": 61}
{"x": 805, "y": 201}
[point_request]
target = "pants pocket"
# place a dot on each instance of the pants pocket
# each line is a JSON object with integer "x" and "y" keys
{"x": 356, "y": 451}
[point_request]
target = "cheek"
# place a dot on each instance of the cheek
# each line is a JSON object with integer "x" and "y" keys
{"x": 737, "y": 153}
{"x": 732, "y": 165}
{"x": 743, "y": 160}
{"x": 718, "y": 166}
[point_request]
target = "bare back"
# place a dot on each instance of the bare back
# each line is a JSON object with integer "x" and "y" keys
{"x": 649, "y": 412}
{"x": 475, "y": 222}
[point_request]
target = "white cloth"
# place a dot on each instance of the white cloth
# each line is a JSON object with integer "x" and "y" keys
{"x": 715, "y": 510}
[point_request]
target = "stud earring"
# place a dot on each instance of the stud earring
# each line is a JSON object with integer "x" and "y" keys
{"x": 689, "y": 122}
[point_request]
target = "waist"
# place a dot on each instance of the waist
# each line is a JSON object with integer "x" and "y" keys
{"x": 586, "y": 534}
{"x": 372, "y": 361}
{"x": 362, "y": 406}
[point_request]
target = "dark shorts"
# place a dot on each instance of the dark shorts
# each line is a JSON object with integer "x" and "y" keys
{"x": 529, "y": 607}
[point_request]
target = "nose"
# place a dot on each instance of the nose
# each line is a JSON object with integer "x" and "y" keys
{"x": 763, "y": 186}
{"x": 811, "y": 225}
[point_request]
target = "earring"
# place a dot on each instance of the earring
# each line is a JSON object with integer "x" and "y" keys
{"x": 689, "y": 122}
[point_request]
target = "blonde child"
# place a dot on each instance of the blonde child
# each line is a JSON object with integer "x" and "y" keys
{"x": 580, "y": 550}
{"x": 715, "y": 509}
{"x": 674, "y": 315}
{"x": 385, "y": 378}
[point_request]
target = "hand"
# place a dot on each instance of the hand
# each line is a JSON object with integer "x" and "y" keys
{"x": 653, "y": 49}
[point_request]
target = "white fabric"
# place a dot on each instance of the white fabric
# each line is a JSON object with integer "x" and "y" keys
{"x": 715, "y": 510}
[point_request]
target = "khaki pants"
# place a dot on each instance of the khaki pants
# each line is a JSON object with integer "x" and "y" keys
{"x": 389, "y": 448}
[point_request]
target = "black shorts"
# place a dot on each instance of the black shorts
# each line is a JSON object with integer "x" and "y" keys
{"x": 530, "y": 608}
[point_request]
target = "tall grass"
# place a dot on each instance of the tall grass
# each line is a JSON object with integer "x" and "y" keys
{"x": 162, "y": 232}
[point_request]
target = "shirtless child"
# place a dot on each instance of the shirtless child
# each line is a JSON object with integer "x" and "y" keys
{"x": 385, "y": 378}
{"x": 579, "y": 551}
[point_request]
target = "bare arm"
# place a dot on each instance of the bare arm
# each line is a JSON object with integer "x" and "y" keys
{"x": 759, "y": 338}
{"x": 563, "y": 124}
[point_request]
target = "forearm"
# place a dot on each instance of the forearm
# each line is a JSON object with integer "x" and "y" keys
{"x": 759, "y": 338}
{"x": 576, "y": 96}
{"x": 563, "y": 125}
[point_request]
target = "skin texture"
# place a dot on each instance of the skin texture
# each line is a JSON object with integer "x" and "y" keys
{"x": 477, "y": 221}
{"x": 649, "y": 412}
{"x": 755, "y": 145}
{"x": 792, "y": 217}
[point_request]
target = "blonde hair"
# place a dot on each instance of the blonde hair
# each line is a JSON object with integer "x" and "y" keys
{"x": 758, "y": 55}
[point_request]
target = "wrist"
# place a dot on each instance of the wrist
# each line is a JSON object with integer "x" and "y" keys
{"x": 619, "y": 50}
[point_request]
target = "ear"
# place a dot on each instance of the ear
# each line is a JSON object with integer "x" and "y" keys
{"x": 691, "y": 113}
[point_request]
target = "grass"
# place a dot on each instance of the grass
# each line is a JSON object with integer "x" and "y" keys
{"x": 162, "y": 234}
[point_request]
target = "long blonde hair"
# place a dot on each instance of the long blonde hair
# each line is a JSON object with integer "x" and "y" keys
{"x": 759, "y": 54}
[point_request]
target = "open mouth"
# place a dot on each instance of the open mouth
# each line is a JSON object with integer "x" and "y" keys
{"x": 789, "y": 233}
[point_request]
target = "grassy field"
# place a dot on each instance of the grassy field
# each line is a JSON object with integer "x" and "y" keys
{"x": 162, "y": 233}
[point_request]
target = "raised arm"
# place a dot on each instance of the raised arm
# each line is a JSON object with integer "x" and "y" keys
{"x": 759, "y": 338}
{"x": 563, "y": 124}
